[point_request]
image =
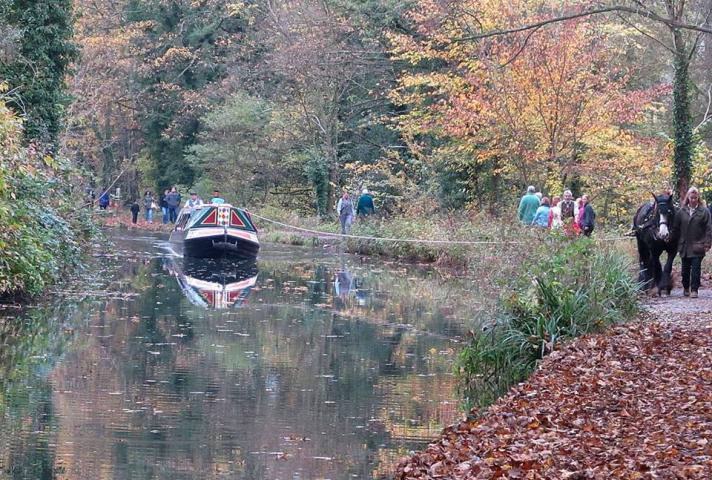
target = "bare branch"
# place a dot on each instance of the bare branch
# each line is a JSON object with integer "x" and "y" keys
{"x": 646, "y": 34}
{"x": 521, "y": 48}
{"x": 698, "y": 37}
{"x": 706, "y": 116}
{"x": 672, "y": 23}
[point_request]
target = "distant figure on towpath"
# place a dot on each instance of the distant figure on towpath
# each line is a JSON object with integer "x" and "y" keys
{"x": 568, "y": 213}
{"x": 588, "y": 217}
{"x": 345, "y": 209}
{"x": 528, "y": 206}
{"x": 164, "y": 206}
{"x": 173, "y": 201}
{"x": 134, "y": 212}
{"x": 365, "y": 205}
{"x": 148, "y": 206}
{"x": 541, "y": 217}
{"x": 104, "y": 200}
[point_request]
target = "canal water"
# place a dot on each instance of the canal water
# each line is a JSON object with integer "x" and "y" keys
{"x": 305, "y": 365}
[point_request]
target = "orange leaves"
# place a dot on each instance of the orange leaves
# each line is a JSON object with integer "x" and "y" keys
{"x": 537, "y": 103}
{"x": 634, "y": 403}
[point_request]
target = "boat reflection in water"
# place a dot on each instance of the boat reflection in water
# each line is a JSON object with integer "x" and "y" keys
{"x": 214, "y": 283}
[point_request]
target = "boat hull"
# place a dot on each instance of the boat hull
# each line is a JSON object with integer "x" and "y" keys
{"x": 216, "y": 243}
{"x": 214, "y": 283}
{"x": 215, "y": 231}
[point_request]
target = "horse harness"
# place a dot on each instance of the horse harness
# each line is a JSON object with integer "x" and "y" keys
{"x": 649, "y": 219}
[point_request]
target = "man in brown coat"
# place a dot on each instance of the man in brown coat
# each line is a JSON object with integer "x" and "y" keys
{"x": 694, "y": 227}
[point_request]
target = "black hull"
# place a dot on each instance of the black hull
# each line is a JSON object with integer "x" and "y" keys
{"x": 216, "y": 247}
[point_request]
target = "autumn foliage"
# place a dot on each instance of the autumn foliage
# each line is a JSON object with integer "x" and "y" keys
{"x": 547, "y": 107}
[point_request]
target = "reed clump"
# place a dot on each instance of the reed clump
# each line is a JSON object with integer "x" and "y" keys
{"x": 564, "y": 290}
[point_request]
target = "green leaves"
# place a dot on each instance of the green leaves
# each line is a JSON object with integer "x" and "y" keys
{"x": 41, "y": 231}
{"x": 570, "y": 289}
{"x": 44, "y": 52}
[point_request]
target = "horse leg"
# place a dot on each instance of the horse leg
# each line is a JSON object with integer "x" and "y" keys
{"x": 644, "y": 276}
{"x": 666, "y": 282}
{"x": 651, "y": 284}
{"x": 658, "y": 271}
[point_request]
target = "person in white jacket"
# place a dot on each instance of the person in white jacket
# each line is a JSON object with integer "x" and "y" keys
{"x": 555, "y": 214}
{"x": 345, "y": 209}
{"x": 193, "y": 202}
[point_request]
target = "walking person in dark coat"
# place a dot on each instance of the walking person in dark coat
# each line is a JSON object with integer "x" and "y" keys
{"x": 365, "y": 205}
{"x": 104, "y": 200}
{"x": 173, "y": 202}
{"x": 134, "y": 212}
{"x": 164, "y": 206}
{"x": 693, "y": 226}
{"x": 588, "y": 219}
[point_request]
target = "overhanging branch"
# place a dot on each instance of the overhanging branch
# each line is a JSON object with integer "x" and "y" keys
{"x": 619, "y": 8}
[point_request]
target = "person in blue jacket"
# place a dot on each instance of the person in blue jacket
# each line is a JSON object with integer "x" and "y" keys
{"x": 528, "y": 206}
{"x": 104, "y": 200}
{"x": 541, "y": 217}
{"x": 365, "y": 205}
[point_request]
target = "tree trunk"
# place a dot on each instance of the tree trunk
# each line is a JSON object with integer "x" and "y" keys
{"x": 682, "y": 120}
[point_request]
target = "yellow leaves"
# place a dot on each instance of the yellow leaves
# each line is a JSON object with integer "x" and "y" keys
{"x": 549, "y": 111}
{"x": 239, "y": 9}
{"x": 49, "y": 161}
{"x": 702, "y": 168}
{"x": 174, "y": 56}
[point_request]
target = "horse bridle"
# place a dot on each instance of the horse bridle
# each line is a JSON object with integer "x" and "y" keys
{"x": 661, "y": 222}
{"x": 649, "y": 221}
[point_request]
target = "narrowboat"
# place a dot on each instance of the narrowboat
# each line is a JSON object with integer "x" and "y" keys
{"x": 215, "y": 230}
{"x": 214, "y": 283}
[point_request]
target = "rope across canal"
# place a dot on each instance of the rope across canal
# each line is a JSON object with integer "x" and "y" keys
{"x": 409, "y": 240}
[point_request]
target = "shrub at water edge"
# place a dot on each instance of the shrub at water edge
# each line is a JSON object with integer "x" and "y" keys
{"x": 572, "y": 288}
{"x": 42, "y": 226}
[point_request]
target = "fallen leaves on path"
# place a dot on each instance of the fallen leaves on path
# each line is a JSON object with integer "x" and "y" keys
{"x": 124, "y": 220}
{"x": 634, "y": 403}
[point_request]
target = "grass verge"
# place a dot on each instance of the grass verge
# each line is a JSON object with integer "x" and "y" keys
{"x": 568, "y": 289}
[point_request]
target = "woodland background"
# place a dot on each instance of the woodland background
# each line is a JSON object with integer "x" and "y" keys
{"x": 286, "y": 103}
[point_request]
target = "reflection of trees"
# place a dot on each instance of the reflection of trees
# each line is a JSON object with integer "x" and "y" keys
{"x": 30, "y": 343}
{"x": 29, "y": 454}
{"x": 158, "y": 388}
{"x": 422, "y": 299}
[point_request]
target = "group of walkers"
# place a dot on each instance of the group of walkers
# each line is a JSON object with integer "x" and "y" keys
{"x": 692, "y": 227}
{"x": 346, "y": 211}
{"x": 575, "y": 217}
{"x": 169, "y": 205}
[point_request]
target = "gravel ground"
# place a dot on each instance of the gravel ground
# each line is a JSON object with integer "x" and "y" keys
{"x": 679, "y": 311}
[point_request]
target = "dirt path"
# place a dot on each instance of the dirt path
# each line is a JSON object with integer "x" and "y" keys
{"x": 679, "y": 311}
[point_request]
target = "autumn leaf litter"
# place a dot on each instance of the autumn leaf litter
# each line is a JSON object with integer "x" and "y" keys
{"x": 633, "y": 403}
